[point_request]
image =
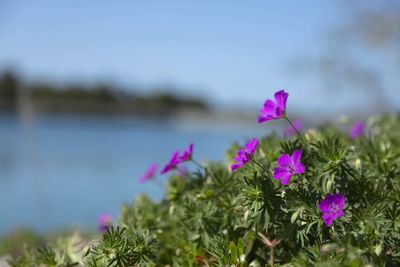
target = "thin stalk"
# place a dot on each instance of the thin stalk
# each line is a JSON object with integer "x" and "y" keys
{"x": 272, "y": 256}
{"x": 271, "y": 245}
{"x": 198, "y": 164}
{"x": 259, "y": 165}
{"x": 291, "y": 124}
{"x": 206, "y": 170}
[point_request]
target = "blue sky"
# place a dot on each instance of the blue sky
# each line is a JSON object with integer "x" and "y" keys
{"x": 230, "y": 52}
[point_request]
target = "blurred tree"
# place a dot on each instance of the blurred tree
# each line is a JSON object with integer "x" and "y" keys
{"x": 104, "y": 98}
{"x": 8, "y": 89}
{"x": 363, "y": 53}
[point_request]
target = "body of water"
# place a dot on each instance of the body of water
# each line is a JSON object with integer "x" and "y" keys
{"x": 59, "y": 172}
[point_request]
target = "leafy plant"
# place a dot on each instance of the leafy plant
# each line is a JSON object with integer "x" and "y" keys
{"x": 216, "y": 217}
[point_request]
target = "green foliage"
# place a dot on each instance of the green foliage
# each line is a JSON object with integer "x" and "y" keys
{"x": 247, "y": 218}
{"x": 122, "y": 247}
{"x": 13, "y": 243}
{"x": 62, "y": 252}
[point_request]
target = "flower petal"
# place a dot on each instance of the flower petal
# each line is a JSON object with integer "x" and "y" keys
{"x": 236, "y": 166}
{"x": 278, "y": 113}
{"x": 299, "y": 168}
{"x": 339, "y": 214}
{"x": 324, "y": 206}
{"x": 268, "y": 111}
{"x": 296, "y": 157}
{"x": 284, "y": 160}
{"x": 281, "y": 98}
{"x": 187, "y": 153}
{"x": 242, "y": 155}
{"x": 252, "y": 146}
{"x": 105, "y": 220}
{"x": 175, "y": 158}
{"x": 357, "y": 129}
{"x": 263, "y": 118}
{"x": 167, "y": 168}
{"x": 281, "y": 173}
{"x": 286, "y": 178}
{"x": 328, "y": 218}
{"x": 150, "y": 173}
{"x": 339, "y": 200}
{"x": 268, "y": 108}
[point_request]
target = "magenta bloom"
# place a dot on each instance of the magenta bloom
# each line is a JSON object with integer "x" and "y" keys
{"x": 357, "y": 130}
{"x": 150, "y": 174}
{"x": 289, "y": 166}
{"x": 172, "y": 164}
{"x": 274, "y": 110}
{"x": 289, "y": 132}
{"x": 244, "y": 154}
{"x": 332, "y": 207}
{"x": 187, "y": 154}
{"x": 176, "y": 159}
{"x": 105, "y": 220}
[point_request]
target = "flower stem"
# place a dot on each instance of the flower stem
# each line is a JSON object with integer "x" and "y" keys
{"x": 258, "y": 164}
{"x": 272, "y": 256}
{"x": 297, "y": 131}
{"x": 206, "y": 170}
{"x": 291, "y": 124}
{"x": 198, "y": 164}
{"x": 271, "y": 244}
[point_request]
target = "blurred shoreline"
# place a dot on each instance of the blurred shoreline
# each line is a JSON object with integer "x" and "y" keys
{"x": 101, "y": 99}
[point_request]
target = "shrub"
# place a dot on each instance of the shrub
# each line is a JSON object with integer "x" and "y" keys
{"x": 249, "y": 217}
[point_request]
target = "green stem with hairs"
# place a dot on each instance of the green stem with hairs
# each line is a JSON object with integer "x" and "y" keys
{"x": 259, "y": 165}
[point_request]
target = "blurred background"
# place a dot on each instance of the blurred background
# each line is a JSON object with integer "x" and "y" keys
{"x": 93, "y": 92}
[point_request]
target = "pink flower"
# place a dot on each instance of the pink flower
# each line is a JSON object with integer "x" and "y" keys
{"x": 105, "y": 220}
{"x": 289, "y": 132}
{"x": 332, "y": 207}
{"x": 357, "y": 130}
{"x": 187, "y": 154}
{"x": 244, "y": 154}
{"x": 289, "y": 166}
{"x": 150, "y": 174}
{"x": 172, "y": 164}
{"x": 274, "y": 110}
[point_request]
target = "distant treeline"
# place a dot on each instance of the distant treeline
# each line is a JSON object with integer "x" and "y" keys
{"x": 105, "y": 98}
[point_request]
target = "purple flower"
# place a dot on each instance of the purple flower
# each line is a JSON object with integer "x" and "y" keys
{"x": 172, "y": 164}
{"x": 105, "y": 220}
{"x": 187, "y": 154}
{"x": 289, "y": 166}
{"x": 332, "y": 207}
{"x": 289, "y": 132}
{"x": 176, "y": 159}
{"x": 357, "y": 129}
{"x": 150, "y": 173}
{"x": 244, "y": 154}
{"x": 274, "y": 110}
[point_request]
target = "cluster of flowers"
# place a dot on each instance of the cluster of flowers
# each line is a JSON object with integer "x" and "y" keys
{"x": 331, "y": 206}
{"x": 105, "y": 220}
{"x": 173, "y": 164}
{"x": 287, "y": 165}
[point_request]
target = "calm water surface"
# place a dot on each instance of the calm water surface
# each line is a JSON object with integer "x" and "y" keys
{"x": 59, "y": 171}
